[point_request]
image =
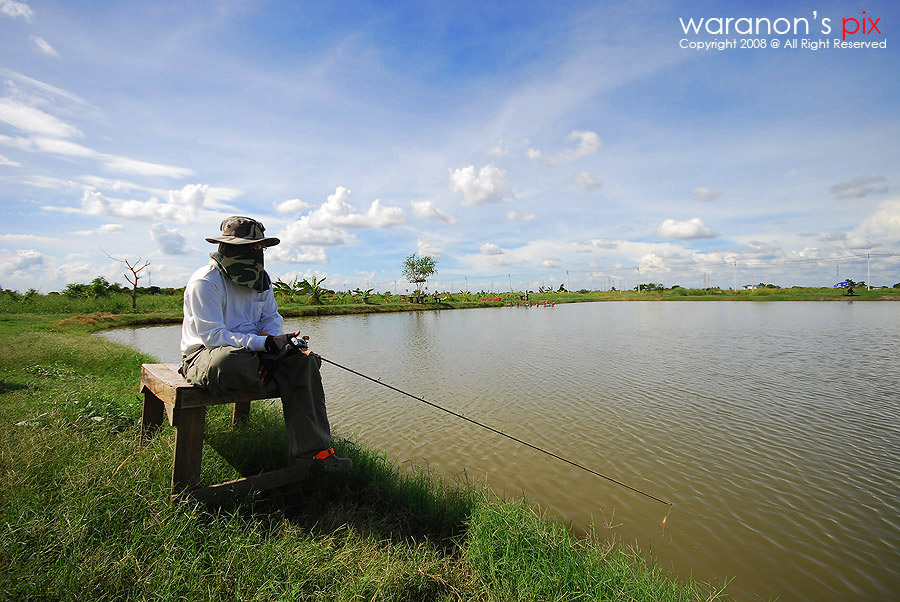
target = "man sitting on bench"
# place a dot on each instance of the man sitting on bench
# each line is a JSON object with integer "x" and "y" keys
{"x": 231, "y": 340}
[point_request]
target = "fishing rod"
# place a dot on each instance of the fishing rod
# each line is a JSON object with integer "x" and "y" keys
{"x": 501, "y": 433}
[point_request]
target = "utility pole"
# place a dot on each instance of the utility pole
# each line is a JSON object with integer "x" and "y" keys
{"x": 567, "y": 281}
{"x": 735, "y": 278}
{"x": 868, "y": 275}
{"x": 639, "y": 278}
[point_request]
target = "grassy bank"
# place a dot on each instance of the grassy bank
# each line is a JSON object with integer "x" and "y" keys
{"x": 85, "y": 513}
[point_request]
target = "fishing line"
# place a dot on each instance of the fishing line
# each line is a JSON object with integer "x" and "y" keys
{"x": 501, "y": 433}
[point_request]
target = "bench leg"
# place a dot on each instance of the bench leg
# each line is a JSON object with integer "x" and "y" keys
{"x": 190, "y": 427}
{"x": 151, "y": 415}
{"x": 241, "y": 412}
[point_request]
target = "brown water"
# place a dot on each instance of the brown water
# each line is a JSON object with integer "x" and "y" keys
{"x": 774, "y": 428}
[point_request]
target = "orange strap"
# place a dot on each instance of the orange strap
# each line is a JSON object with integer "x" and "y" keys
{"x": 323, "y": 454}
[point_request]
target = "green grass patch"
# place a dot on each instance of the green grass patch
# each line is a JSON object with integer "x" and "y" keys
{"x": 85, "y": 510}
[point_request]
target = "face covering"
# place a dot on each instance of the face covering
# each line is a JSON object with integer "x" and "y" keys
{"x": 242, "y": 265}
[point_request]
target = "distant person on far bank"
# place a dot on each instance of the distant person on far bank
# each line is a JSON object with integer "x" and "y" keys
{"x": 232, "y": 339}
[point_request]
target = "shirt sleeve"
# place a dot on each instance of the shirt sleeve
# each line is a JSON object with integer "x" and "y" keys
{"x": 204, "y": 306}
{"x": 271, "y": 321}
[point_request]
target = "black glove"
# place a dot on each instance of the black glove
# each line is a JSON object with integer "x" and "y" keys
{"x": 285, "y": 344}
{"x": 268, "y": 363}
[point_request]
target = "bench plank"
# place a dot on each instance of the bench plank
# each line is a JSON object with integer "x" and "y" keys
{"x": 170, "y": 387}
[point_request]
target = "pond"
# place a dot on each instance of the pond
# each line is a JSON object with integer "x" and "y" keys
{"x": 773, "y": 428}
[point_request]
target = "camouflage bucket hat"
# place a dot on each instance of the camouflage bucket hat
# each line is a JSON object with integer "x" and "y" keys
{"x": 237, "y": 230}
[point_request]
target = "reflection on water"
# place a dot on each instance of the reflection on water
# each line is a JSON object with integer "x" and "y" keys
{"x": 772, "y": 427}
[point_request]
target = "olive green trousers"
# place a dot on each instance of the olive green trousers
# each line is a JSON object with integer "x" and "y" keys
{"x": 297, "y": 381}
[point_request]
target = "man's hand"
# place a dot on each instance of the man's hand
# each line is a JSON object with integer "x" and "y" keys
{"x": 286, "y": 344}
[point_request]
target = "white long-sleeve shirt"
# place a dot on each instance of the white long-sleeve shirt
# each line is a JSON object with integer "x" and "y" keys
{"x": 218, "y": 312}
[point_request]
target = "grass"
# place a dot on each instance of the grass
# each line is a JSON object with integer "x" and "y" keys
{"x": 85, "y": 511}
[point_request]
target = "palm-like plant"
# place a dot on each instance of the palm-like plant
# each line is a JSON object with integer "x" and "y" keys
{"x": 314, "y": 289}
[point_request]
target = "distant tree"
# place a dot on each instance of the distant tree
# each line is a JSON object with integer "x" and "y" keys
{"x": 100, "y": 287}
{"x": 417, "y": 270}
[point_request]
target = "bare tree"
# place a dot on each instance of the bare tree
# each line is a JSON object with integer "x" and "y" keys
{"x": 135, "y": 268}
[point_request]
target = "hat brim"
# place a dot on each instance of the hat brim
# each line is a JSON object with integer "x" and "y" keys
{"x": 236, "y": 240}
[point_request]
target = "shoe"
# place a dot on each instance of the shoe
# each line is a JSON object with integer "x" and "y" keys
{"x": 327, "y": 461}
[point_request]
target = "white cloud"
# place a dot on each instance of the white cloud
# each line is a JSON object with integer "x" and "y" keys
{"x": 501, "y": 149}
{"x": 882, "y": 226}
{"x": 61, "y": 147}
{"x": 685, "y": 230}
{"x": 144, "y": 168}
{"x": 428, "y": 210}
{"x": 426, "y": 248}
{"x": 487, "y": 185}
{"x": 29, "y": 238}
{"x": 337, "y": 211}
{"x": 587, "y": 182}
{"x": 20, "y": 262}
{"x": 44, "y": 46}
{"x": 859, "y": 187}
{"x": 705, "y": 194}
{"x": 104, "y": 229}
{"x": 291, "y": 206}
{"x": 515, "y": 217}
{"x": 550, "y": 263}
{"x": 302, "y": 232}
{"x": 180, "y": 205}
{"x": 290, "y": 254}
{"x": 34, "y": 121}
{"x": 490, "y": 249}
{"x": 588, "y": 143}
{"x": 168, "y": 240}
{"x": 14, "y": 9}
{"x": 7, "y": 161}
{"x": 591, "y": 245}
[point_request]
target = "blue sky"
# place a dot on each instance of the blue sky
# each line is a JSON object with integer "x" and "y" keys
{"x": 527, "y": 143}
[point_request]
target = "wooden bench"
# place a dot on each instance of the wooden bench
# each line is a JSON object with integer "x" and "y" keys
{"x": 166, "y": 393}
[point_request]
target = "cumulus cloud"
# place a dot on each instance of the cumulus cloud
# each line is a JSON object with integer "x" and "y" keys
{"x": 550, "y": 263}
{"x": 428, "y": 210}
{"x": 859, "y": 187}
{"x": 424, "y": 247}
{"x": 291, "y": 206}
{"x": 685, "y": 230}
{"x": 336, "y": 211}
{"x": 179, "y": 206}
{"x": 705, "y": 194}
{"x": 884, "y": 224}
{"x": 303, "y": 233}
{"x": 14, "y": 9}
{"x": 515, "y": 217}
{"x": 587, "y": 182}
{"x": 486, "y": 185}
{"x": 168, "y": 240}
{"x": 44, "y": 46}
{"x": 20, "y": 262}
{"x": 587, "y": 143}
{"x": 490, "y": 249}
{"x": 303, "y": 254}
